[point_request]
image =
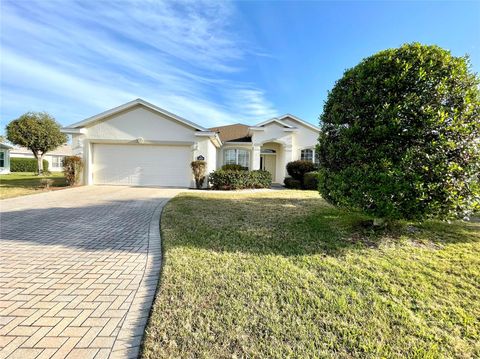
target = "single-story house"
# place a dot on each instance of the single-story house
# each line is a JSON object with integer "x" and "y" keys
{"x": 4, "y": 158}
{"x": 54, "y": 158}
{"x": 141, "y": 144}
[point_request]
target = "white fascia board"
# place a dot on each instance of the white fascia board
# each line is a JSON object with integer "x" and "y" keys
{"x": 205, "y": 133}
{"x": 256, "y": 128}
{"x": 131, "y": 104}
{"x": 275, "y": 119}
{"x": 212, "y": 135}
{"x": 307, "y": 124}
{"x": 73, "y": 131}
{"x": 249, "y": 144}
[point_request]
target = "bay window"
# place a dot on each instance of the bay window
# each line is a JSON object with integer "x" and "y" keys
{"x": 237, "y": 157}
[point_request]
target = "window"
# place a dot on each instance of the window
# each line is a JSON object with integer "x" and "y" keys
{"x": 237, "y": 157}
{"x": 2, "y": 159}
{"x": 267, "y": 150}
{"x": 306, "y": 155}
{"x": 57, "y": 161}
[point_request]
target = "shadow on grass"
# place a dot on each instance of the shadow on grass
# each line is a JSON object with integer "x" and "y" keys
{"x": 289, "y": 227}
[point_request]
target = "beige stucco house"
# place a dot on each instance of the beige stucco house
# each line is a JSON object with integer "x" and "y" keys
{"x": 54, "y": 158}
{"x": 140, "y": 144}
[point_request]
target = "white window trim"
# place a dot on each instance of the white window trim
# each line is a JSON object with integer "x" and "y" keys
{"x": 236, "y": 155}
{"x": 313, "y": 153}
{"x": 4, "y": 153}
{"x": 57, "y": 158}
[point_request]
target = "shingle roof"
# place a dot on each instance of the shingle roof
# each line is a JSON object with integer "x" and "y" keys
{"x": 233, "y": 133}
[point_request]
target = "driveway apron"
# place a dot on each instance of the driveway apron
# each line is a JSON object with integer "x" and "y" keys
{"x": 78, "y": 271}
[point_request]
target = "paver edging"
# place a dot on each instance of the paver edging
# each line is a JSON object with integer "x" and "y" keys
{"x": 128, "y": 341}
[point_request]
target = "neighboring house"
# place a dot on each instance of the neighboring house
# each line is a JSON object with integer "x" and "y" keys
{"x": 4, "y": 158}
{"x": 54, "y": 158}
{"x": 141, "y": 144}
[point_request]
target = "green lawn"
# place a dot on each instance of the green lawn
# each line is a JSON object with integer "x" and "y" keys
{"x": 283, "y": 274}
{"x": 22, "y": 183}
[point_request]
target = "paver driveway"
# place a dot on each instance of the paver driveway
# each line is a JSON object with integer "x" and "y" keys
{"x": 78, "y": 271}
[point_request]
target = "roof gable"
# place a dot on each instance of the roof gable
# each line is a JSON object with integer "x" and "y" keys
{"x": 276, "y": 120}
{"x": 129, "y": 105}
{"x": 300, "y": 121}
{"x": 233, "y": 133}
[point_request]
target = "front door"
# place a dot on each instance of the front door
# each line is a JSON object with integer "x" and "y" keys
{"x": 267, "y": 163}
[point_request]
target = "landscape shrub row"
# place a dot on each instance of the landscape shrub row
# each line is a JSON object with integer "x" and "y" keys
{"x": 239, "y": 179}
{"x": 26, "y": 165}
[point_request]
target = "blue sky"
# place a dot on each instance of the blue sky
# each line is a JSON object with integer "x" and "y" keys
{"x": 211, "y": 62}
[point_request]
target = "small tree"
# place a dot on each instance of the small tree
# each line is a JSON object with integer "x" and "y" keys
{"x": 72, "y": 168}
{"x": 199, "y": 169}
{"x": 400, "y": 135}
{"x": 38, "y": 131}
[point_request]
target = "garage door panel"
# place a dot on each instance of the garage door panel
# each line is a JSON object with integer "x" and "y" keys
{"x": 141, "y": 165}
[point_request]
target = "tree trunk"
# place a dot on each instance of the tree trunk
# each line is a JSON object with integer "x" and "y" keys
{"x": 40, "y": 164}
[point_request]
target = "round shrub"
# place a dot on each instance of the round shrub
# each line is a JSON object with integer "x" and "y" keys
{"x": 297, "y": 169}
{"x": 400, "y": 135}
{"x": 310, "y": 181}
{"x": 292, "y": 183}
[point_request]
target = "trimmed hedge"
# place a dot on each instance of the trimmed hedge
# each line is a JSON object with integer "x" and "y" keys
{"x": 19, "y": 164}
{"x": 234, "y": 167}
{"x": 297, "y": 169}
{"x": 235, "y": 179}
{"x": 292, "y": 183}
{"x": 310, "y": 181}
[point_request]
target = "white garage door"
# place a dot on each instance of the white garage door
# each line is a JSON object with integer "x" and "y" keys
{"x": 142, "y": 165}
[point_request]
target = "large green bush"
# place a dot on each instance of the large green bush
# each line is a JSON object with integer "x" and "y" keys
{"x": 234, "y": 179}
{"x": 19, "y": 164}
{"x": 400, "y": 135}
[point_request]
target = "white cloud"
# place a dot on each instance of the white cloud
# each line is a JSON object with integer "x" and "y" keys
{"x": 96, "y": 55}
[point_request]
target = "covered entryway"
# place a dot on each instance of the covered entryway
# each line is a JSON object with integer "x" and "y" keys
{"x": 267, "y": 162}
{"x": 271, "y": 157}
{"x": 141, "y": 165}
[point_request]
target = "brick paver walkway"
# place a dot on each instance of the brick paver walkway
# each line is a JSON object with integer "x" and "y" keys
{"x": 78, "y": 271}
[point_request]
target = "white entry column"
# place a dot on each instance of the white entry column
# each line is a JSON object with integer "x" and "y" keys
{"x": 256, "y": 157}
